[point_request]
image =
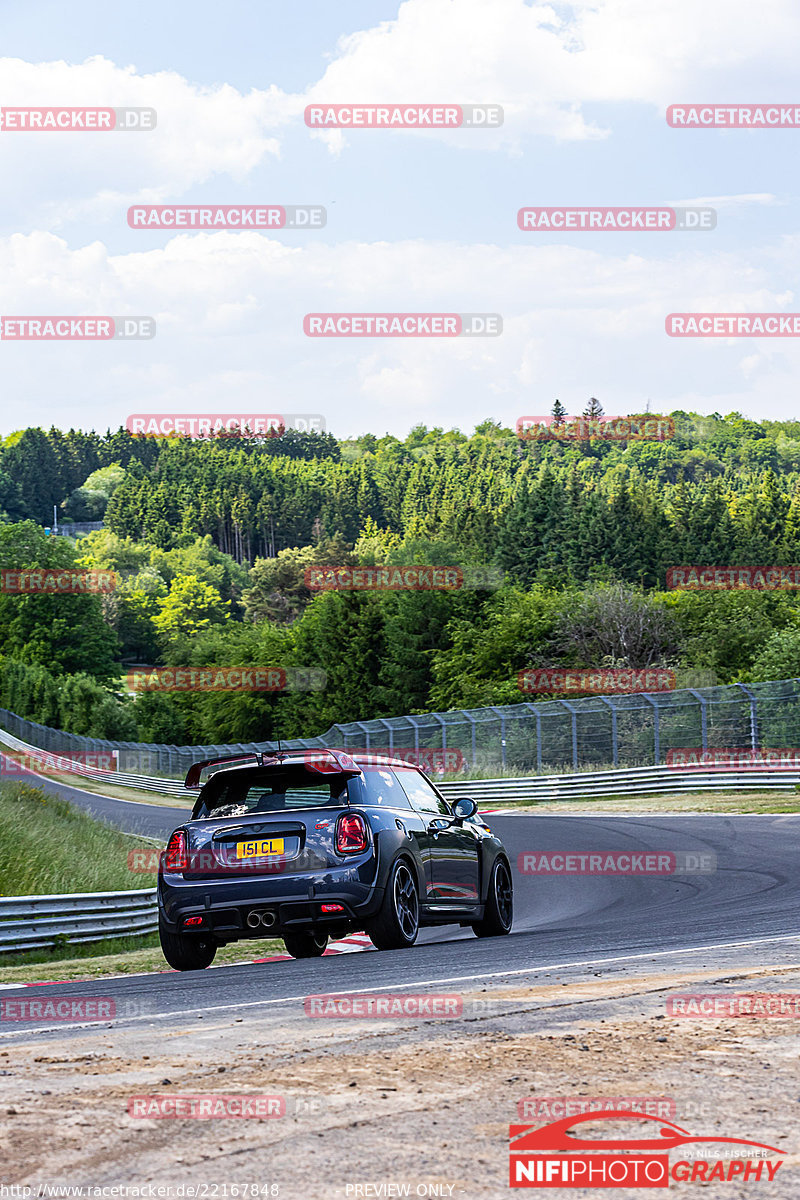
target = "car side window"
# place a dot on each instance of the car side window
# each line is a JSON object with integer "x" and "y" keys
{"x": 421, "y": 794}
{"x": 381, "y": 788}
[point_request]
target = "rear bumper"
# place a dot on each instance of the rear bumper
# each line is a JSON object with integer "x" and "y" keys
{"x": 294, "y": 902}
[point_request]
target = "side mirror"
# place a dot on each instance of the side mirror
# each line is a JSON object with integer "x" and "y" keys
{"x": 463, "y": 808}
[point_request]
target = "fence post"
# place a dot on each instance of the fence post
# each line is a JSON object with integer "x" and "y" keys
{"x": 753, "y": 715}
{"x": 365, "y": 732}
{"x": 538, "y": 717}
{"x": 538, "y": 740}
{"x": 703, "y": 717}
{"x": 573, "y": 712}
{"x": 390, "y": 731}
{"x": 495, "y": 709}
{"x": 334, "y": 734}
{"x": 614, "y": 740}
{"x": 472, "y": 731}
{"x": 436, "y": 717}
{"x": 656, "y": 729}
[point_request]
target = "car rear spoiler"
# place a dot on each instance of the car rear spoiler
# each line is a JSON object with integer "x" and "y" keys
{"x": 325, "y": 762}
{"x": 192, "y": 779}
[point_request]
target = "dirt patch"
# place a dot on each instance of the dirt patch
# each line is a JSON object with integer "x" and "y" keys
{"x": 419, "y": 1102}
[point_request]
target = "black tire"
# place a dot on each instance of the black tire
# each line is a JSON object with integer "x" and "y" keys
{"x": 306, "y": 945}
{"x": 498, "y": 913}
{"x": 186, "y": 952}
{"x": 397, "y": 923}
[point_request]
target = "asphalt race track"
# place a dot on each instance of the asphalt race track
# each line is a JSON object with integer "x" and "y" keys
{"x": 575, "y": 1002}
{"x": 751, "y": 897}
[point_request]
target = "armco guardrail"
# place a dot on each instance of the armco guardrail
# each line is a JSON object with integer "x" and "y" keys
{"x": 37, "y": 922}
{"x": 638, "y": 781}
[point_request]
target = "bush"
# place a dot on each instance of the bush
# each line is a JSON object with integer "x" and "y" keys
{"x": 74, "y": 703}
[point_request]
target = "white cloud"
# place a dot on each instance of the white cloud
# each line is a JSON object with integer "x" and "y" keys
{"x": 202, "y": 132}
{"x": 743, "y": 200}
{"x": 230, "y": 307}
{"x": 546, "y": 62}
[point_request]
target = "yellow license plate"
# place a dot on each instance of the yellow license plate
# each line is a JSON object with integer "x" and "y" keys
{"x": 259, "y": 849}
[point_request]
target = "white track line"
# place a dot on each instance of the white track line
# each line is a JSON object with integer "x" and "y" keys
{"x": 535, "y": 968}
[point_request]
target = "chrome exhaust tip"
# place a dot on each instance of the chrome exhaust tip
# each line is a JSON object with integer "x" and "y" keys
{"x": 253, "y": 920}
{"x": 268, "y": 919}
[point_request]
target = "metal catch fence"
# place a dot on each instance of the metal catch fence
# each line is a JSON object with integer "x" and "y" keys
{"x": 559, "y": 734}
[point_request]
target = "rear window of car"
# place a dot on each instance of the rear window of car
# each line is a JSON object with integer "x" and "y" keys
{"x": 239, "y": 793}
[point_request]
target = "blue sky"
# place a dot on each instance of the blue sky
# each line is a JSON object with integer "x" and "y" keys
{"x": 416, "y": 221}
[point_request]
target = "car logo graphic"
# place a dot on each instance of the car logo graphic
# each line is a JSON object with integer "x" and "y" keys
{"x": 556, "y": 1137}
{"x": 551, "y": 1156}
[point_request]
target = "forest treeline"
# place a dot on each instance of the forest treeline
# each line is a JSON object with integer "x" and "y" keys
{"x": 212, "y": 542}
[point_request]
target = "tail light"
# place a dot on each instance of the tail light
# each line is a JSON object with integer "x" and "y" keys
{"x": 176, "y": 857}
{"x": 193, "y": 920}
{"x": 351, "y": 834}
{"x": 331, "y": 908}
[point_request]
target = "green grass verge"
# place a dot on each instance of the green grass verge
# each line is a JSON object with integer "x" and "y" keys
{"x": 48, "y": 846}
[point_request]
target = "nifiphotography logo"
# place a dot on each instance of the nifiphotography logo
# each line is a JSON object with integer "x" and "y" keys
{"x": 579, "y": 1162}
